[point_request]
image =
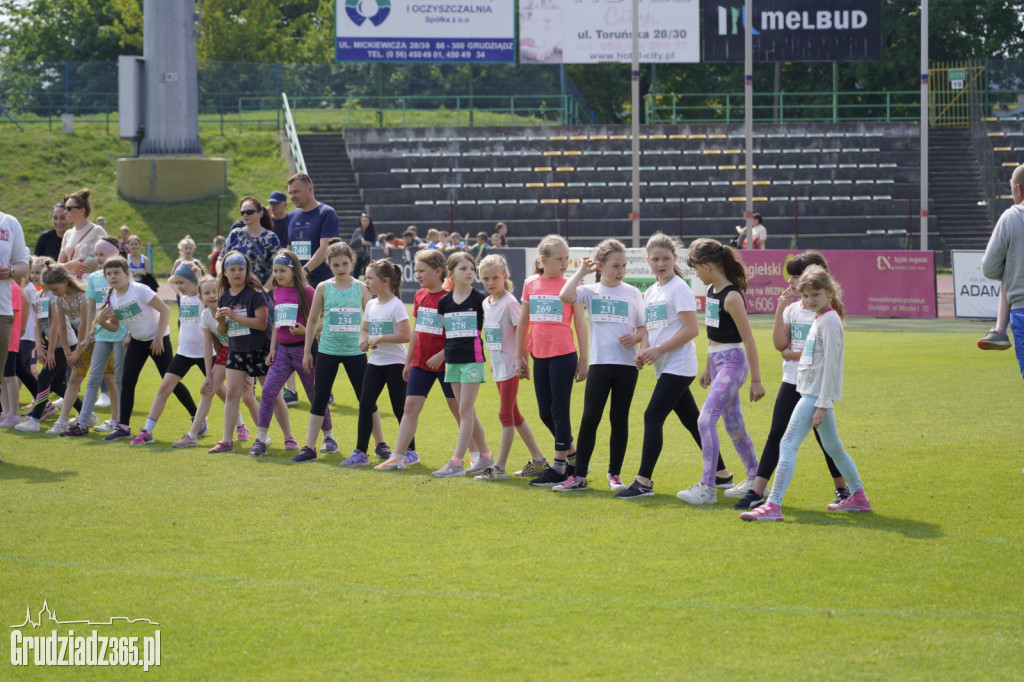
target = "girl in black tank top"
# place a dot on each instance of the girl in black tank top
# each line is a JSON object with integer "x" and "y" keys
{"x": 732, "y": 355}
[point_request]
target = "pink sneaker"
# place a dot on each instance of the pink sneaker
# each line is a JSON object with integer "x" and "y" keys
{"x": 855, "y": 502}
{"x": 222, "y": 446}
{"x": 290, "y": 445}
{"x": 766, "y": 512}
{"x": 243, "y": 432}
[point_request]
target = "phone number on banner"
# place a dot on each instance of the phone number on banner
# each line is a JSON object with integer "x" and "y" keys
{"x": 436, "y": 49}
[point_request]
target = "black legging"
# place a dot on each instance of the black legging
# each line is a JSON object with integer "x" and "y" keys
{"x": 326, "y": 371}
{"x": 374, "y": 379}
{"x": 785, "y": 403}
{"x": 552, "y": 383}
{"x": 22, "y": 371}
{"x": 602, "y": 380}
{"x": 134, "y": 360}
{"x": 53, "y": 381}
{"x": 671, "y": 394}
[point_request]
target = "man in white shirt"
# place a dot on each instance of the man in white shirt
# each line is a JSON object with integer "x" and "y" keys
{"x": 13, "y": 265}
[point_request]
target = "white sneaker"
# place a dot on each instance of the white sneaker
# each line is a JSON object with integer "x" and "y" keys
{"x": 58, "y": 402}
{"x": 93, "y": 420}
{"x": 450, "y": 469}
{"x": 106, "y": 427}
{"x": 59, "y": 427}
{"x": 698, "y": 493}
{"x": 615, "y": 483}
{"x": 740, "y": 489}
{"x": 394, "y": 462}
{"x": 28, "y": 424}
{"x": 103, "y": 400}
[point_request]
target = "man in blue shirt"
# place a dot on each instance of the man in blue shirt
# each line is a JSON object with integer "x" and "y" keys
{"x": 277, "y": 207}
{"x": 311, "y": 225}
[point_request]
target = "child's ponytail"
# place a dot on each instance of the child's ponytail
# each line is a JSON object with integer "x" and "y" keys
{"x": 704, "y": 250}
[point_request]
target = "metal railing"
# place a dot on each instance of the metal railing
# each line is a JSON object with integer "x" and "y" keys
{"x": 900, "y": 105}
{"x": 293, "y": 136}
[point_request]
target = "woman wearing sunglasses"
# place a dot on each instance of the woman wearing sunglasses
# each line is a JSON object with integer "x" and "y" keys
{"x": 256, "y": 239}
{"x": 78, "y": 247}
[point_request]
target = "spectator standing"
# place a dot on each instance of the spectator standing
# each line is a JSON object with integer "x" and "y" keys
{"x": 13, "y": 266}
{"x": 277, "y": 205}
{"x": 311, "y": 226}
{"x": 1004, "y": 260}
{"x": 364, "y": 237}
{"x": 256, "y": 240}
{"x": 759, "y": 231}
{"x": 78, "y": 248}
{"x": 502, "y": 231}
{"x": 49, "y": 242}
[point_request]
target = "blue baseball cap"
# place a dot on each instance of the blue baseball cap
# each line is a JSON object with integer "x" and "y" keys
{"x": 277, "y": 198}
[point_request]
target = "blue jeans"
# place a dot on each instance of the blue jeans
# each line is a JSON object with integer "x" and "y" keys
{"x": 1017, "y": 327}
{"x": 796, "y": 432}
{"x": 100, "y": 355}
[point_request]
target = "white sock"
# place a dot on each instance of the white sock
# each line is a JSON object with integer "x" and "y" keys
{"x": 262, "y": 434}
{"x": 240, "y": 421}
{"x": 473, "y": 457}
{"x": 150, "y": 425}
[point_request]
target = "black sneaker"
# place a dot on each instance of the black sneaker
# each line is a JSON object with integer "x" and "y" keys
{"x": 330, "y": 399}
{"x": 841, "y": 494}
{"x": 723, "y": 481}
{"x": 550, "y": 477}
{"x": 383, "y": 451}
{"x": 291, "y": 398}
{"x": 749, "y": 501}
{"x": 636, "y": 489}
{"x": 306, "y": 454}
{"x": 120, "y": 433}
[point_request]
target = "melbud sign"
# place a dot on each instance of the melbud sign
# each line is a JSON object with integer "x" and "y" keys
{"x": 795, "y": 30}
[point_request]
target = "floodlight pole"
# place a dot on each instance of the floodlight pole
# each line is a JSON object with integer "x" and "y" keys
{"x": 634, "y": 214}
{"x": 924, "y": 125}
{"x": 748, "y": 116}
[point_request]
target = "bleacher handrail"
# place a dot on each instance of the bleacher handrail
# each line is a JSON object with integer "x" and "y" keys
{"x": 784, "y": 107}
{"x": 293, "y": 136}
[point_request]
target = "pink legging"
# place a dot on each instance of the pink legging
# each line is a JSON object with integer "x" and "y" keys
{"x": 508, "y": 411}
{"x": 287, "y": 360}
{"x": 729, "y": 371}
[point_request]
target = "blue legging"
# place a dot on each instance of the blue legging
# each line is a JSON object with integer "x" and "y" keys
{"x": 799, "y": 427}
{"x": 729, "y": 371}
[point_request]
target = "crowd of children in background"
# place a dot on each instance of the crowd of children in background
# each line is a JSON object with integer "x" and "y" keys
{"x": 98, "y": 325}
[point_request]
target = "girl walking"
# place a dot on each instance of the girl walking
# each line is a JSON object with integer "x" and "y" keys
{"x": 501, "y": 315}
{"x": 462, "y": 311}
{"x": 790, "y": 334}
{"x": 545, "y": 332}
{"x": 341, "y": 300}
{"x": 732, "y": 355}
{"x": 820, "y": 384}
{"x": 385, "y": 331}
{"x": 244, "y": 316}
{"x": 667, "y": 344}
{"x": 615, "y": 312}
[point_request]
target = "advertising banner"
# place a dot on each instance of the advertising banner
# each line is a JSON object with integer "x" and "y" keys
{"x": 426, "y": 30}
{"x": 875, "y": 283}
{"x": 795, "y": 30}
{"x": 596, "y": 31}
{"x": 974, "y": 294}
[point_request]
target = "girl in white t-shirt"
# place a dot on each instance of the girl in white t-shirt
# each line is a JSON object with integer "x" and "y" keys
{"x": 501, "y": 315}
{"x": 790, "y": 333}
{"x": 190, "y": 349}
{"x": 670, "y": 313}
{"x": 385, "y": 331}
{"x": 820, "y": 383}
{"x": 145, "y": 316}
{"x": 215, "y": 359}
{"x": 615, "y": 313}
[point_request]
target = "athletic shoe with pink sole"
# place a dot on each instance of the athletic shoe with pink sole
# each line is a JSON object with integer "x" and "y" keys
{"x": 243, "y": 432}
{"x": 766, "y": 512}
{"x": 855, "y": 502}
{"x": 222, "y": 446}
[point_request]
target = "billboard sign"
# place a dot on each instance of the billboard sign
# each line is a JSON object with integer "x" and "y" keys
{"x": 974, "y": 294}
{"x": 599, "y": 31}
{"x": 425, "y": 30}
{"x": 795, "y": 30}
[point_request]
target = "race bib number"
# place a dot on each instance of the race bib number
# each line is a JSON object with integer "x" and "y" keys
{"x": 711, "y": 313}
{"x": 429, "y": 322}
{"x": 545, "y": 309}
{"x": 798, "y": 333}
{"x": 44, "y": 309}
{"x": 657, "y": 316}
{"x": 237, "y": 328}
{"x": 492, "y": 337}
{"x": 188, "y": 313}
{"x": 286, "y": 314}
{"x": 460, "y": 325}
{"x": 344, "y": 320}
{"x": 609, "y": 310}
{"x": 808, "y": 355}
{"x": 380, "y": 327}
{"x": 304, "y": 250}
{"x": 126, "y": 313}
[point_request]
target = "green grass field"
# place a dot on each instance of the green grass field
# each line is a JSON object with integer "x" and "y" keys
{"x": 262, "y": 569}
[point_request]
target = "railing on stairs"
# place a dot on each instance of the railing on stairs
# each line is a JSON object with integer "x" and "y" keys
{"x": 293, "y": 136}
